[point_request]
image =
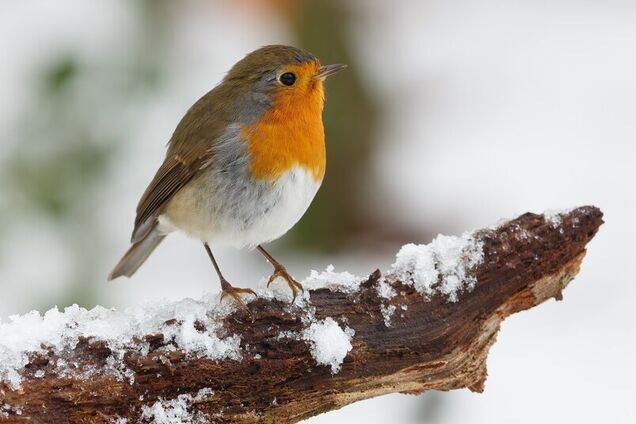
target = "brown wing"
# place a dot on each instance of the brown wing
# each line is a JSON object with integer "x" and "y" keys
{"x": 188, "y": 153}
{"x": 175, "y": 172}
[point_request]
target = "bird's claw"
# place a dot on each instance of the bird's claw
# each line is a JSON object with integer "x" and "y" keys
{"x": 295, "y": 286}
{"x": 235, "y": 293}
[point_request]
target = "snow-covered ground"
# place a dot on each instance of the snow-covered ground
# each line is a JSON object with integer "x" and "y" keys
{"x": 494, "y": 108}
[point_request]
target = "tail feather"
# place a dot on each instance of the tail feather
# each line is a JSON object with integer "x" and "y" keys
{"x": 137, "y": 255}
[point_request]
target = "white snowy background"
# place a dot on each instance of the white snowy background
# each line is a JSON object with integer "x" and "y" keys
{"x": 493, "y": 108}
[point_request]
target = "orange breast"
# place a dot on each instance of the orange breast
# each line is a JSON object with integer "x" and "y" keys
{"x": 289, "y": 134}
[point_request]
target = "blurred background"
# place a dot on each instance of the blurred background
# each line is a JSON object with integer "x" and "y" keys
{"x": 452, "y": 115}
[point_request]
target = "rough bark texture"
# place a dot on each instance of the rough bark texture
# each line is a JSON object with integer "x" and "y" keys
{"x": 433, "y": 344}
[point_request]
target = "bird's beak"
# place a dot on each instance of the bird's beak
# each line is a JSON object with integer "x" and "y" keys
{"x": 327, "y": 70}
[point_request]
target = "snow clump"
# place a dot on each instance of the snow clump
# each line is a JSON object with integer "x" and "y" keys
{"x": 332, "y": 280}
{"x": 328, "y": 342}
{"x": 190, "y": 325}
{"x": 447, "y": 260}
{"x": 173, "y": 411}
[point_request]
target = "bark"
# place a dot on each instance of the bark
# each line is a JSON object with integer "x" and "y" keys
{"x": 431, "y": 344}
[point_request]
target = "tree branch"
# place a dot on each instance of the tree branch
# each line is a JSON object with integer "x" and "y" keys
{"x": 404, "y": 341}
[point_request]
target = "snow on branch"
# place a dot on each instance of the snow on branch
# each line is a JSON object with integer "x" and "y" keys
{"x": 427, "y": 323}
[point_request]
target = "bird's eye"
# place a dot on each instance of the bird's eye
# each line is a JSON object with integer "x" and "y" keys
{"x": 288, "y": 78}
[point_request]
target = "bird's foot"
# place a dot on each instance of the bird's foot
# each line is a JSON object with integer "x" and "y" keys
{"x": 281, "y": 272}
{"x": 235, "y": 293}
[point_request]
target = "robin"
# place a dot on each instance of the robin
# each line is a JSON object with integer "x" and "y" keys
{"x": 243, "y": 164}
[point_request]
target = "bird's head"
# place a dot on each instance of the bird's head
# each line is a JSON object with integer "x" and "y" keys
{"x": 282, "y": 75}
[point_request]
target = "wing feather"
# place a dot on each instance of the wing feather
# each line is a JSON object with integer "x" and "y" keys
{"x": 172, "y": 176}
{"x": 189, "y": 151}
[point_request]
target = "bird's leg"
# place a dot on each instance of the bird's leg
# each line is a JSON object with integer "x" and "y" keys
{"x": 226, "y": 287}
{"x": 280, "y": 271}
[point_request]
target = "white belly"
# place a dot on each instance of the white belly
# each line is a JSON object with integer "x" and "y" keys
{"x": 295, "y": 191}
{"x": 260, "y": 213}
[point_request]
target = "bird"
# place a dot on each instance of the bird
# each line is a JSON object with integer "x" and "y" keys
{"x": 243, "y": 164}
